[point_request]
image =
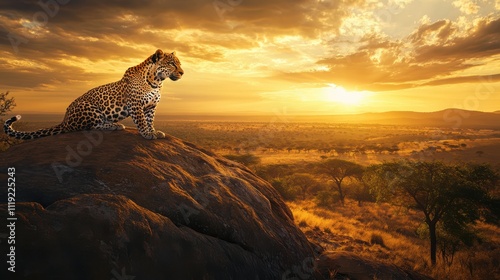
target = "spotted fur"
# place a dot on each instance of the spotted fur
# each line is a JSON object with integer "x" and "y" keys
{"x": 136, "y": 95}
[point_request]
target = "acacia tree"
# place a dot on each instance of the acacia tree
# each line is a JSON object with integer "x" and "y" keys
{"x": 452, "y": 197}
{"x": 339, "y": 170}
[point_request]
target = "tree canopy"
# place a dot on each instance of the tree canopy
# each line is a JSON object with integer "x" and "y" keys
{"x": 339, "y": 170}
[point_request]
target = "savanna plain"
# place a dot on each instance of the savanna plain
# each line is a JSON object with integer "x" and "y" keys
{"x": 306, "y": 158}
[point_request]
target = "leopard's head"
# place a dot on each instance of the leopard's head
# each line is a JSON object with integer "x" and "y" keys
{"x": 164, "y": 65}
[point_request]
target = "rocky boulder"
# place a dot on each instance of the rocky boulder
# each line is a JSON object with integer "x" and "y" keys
{"x": 111, "y": 205}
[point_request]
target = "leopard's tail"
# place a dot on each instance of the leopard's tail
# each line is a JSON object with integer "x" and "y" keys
{"x": 26, "y": 135}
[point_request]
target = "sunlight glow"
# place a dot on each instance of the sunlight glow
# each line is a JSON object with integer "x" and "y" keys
{"x": 339, "y": 94}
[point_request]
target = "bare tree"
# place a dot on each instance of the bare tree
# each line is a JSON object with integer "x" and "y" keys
{"x": 6, "y": 105}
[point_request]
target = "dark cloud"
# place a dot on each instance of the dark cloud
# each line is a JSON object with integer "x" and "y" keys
{"x": 128, "y": 19}
{"x": 48, "y": 74}
{"x": 483, "y": 41}
{"x": 303, "y": 17}
{"x": 441, "y": 29}
{"x": 466, "y": 79}
{"x": 107, "y": 23}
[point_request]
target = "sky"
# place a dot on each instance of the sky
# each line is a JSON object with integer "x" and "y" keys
{"x": 259, "y": 57}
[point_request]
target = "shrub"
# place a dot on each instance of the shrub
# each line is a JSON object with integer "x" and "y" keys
{"x": 361, "y": 193}
{"x": 303, "y": 182}
{"x": 326, "y": 199}
{"x": 286, "y": 191}
{"x": 377, "y": 239}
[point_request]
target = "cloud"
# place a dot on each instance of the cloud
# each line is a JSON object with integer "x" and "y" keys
{"x": 483, "y": 40}
{"x": 466, "y": 6}
{"x": 248, "y": 46}
{"x": 131, "y": 20}
{"x": 431, "y": 55}
{"x": 431, "y": 33}
{"x": 90, "y": 41}
{"x": 466, "y": 79}
{"x": 130, "y": 30}
{"x": 102, "y": 29}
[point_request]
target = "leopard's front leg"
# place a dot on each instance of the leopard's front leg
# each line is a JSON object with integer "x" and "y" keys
{"x": 150, "y": 116}
{"x": 145, "y": 129}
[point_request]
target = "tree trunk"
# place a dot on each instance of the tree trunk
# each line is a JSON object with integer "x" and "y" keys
{"x": 433, "y": 238}
{"x": 341, "y": 194}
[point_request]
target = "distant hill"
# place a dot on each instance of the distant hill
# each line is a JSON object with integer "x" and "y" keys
{"x": 449, "y": 118}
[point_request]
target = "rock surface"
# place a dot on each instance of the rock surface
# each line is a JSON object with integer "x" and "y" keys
{"x": 348, "y": 265}
{"x": 96, "y": 205}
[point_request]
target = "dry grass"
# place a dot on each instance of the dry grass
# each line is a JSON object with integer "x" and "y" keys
{"x": 353, "y": 228}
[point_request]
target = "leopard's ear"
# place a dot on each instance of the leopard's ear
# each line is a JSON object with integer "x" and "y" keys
{"x": 173, "y": 52}
{"x": 157, "y": 55}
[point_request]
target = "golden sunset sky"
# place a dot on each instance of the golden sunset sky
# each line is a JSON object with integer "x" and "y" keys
{"x": 259, "y": 56}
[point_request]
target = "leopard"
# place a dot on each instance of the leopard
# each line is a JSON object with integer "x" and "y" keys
{"x": 135, "y": 95}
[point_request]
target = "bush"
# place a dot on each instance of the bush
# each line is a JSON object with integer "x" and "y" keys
{"x": 286, "y": 191}
{"x": 326, "y": 199}
{"x": 303, "y": 224}
{"x": 377, "y": 239}
{"x": 304, "y": 182}
{"x": 361, "y": 193}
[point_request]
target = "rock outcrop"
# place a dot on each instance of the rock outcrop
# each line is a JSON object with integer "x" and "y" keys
{"x": 96, "y": 205}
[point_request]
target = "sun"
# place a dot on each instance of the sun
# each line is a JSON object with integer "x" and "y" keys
{"x": 339, "y": 94}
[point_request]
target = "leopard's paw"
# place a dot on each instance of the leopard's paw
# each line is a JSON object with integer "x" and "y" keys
{"x": 159, "y": 134}
{"x": 148, "y": 136}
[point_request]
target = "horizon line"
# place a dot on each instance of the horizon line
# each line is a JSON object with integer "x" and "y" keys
{"x": 256, "y": 114}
